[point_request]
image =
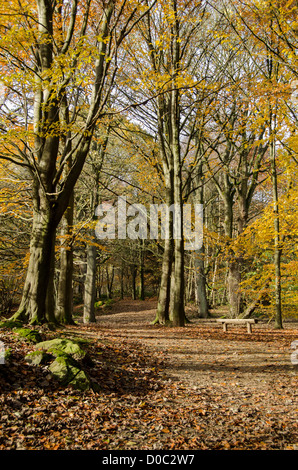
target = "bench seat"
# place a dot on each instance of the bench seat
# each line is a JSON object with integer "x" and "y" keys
{"x": 237, "y": 321}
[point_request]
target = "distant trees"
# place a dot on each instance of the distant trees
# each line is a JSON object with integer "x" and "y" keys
{"x": 15, "y": 220}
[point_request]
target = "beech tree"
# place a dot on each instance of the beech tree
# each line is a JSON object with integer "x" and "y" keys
{"x": 240, "y": 152}
{"x": 174, "y": 40}
{"x": 96, "y": 160}
{"x": 272, "y": 26}
{"x": 56, "y": 55}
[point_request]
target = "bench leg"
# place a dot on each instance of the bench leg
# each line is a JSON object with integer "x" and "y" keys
{"x": 248, "y": 328}
{"x": 225, "y": 327}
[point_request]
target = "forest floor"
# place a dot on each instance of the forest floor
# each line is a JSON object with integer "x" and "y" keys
{"x": 158, "y": 388}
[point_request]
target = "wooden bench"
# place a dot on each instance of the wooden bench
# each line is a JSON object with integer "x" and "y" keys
{"x": 237, "y": 321}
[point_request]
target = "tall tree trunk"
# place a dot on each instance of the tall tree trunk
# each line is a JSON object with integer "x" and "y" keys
{"x": 110, "y": 281}
{"x": 122, "y": 281}
{"x": 233, "y": 277}
{"x": 33, "y": 306}
{"x": 51, "y": 294}
{"x": 133, "y": 270}
{"x": 172, "y": 293}
{"x": 64, "y": 309}
{"x": 277, "y": 247}
{"x": 199, "y": 255}
{"x": 178, "y": 312}
{"x": 90, "y": 285}
{"x": 199, "y": 264}
{"x": 142, "y": 279}
{"x": 163, "y": 304}
{"x": 234, "y": 294}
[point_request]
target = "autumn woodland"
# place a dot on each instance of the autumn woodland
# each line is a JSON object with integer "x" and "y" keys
{"x": 111, "y": 112}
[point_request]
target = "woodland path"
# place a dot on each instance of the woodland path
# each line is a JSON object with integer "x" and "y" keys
{"x": 247, "y": 380}
{"x": 201, "y": 353}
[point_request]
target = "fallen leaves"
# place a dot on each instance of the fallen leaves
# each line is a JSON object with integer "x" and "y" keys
{"x": 135, "y": 404}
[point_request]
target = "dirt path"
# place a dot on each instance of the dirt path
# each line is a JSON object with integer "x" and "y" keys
{"x": 247, "y": 381}
{"x": 201, "y": 352}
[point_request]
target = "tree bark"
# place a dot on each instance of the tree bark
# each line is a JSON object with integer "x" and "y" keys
{"x": 199, "y": 255}
{"x": 277, "y": 247}
{"x": 133, "y": 271}
{"x": 122, "y": 281}
{"x": 110, "y": 281}
{"x": 142, "y": 274}
{"x": 33, "y": 306}
{"x": 90, "y": 284}
{"x": 178, "y": 312}
{"x": 234, "y": 295}
{"x": 163, "y": 305}
{"x": 199, "y": 265}
{"x": 64, "y": 309}
{"x": 51, "y": 292}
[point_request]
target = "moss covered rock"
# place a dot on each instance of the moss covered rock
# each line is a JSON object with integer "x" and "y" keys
{"x": 38, "y": 357}
{"x": 68, "y": 372}
{"x": 60, "y": 346}
{"x": 28, "y": 334}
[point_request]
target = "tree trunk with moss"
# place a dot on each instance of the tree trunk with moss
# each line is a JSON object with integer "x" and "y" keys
{"x": 33, "y": 306}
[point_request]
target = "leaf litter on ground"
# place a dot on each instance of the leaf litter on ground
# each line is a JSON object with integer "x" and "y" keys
{"x": 138, "y": 403}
